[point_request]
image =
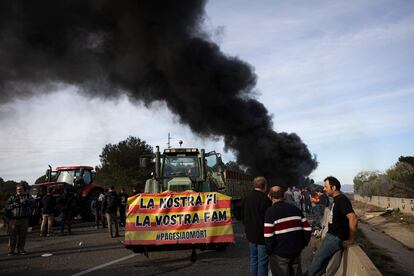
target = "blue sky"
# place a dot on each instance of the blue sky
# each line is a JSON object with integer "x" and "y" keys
{"x": 338, "y": 73}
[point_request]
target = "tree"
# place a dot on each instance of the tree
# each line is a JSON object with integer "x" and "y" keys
{"x": 402, "y": 175}
{"x": 362, "y": 180}
{"x": 120, "y": 163}
{"x": 407, "y": 159}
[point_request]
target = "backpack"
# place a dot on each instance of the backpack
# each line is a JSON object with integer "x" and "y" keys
{"x": 111, "y": 202}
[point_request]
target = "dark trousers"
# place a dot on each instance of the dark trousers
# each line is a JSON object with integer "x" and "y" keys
{"x": 112, "y": 218}
{"x": 285, "y": 266}
{"x": 100, "y": 218}
{"x": 122, "y": 215}
{"x": 17, "y": 234}
{"x": 66, "y": 219}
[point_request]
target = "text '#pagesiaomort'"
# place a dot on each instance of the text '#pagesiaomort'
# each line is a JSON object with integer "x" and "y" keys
{"x": 190, "y": 235}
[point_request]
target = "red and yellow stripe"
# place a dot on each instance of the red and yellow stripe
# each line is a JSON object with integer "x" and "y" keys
{"x": 209, "y": 231}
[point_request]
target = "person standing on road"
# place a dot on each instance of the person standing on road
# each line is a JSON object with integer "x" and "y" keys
{"x": 287, "y": 233}
{"x": 65, "y": 203}
{"x": 254, "y": 209}
{"x": 342, "y": 226}
{"x": 297, "y": 195}
{"x": 307, "y": 200}
{"x": 110, "y": 208}
{"x": 19, "y": 207}
{"x": 99, "y": 214}
{"x": 48, "y": 206}
{"x": 289, "y": 196}
{"x": 122, "y": 207}
{"x": 320, "y": 207}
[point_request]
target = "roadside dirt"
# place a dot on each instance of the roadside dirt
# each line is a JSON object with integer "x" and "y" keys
{"x": 395, "y": 239}
{"x": 398, "y": 226}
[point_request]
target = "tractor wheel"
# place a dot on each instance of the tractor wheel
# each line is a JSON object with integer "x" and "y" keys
{"x": 90, "y": 212}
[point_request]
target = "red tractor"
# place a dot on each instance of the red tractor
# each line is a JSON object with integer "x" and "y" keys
{"x": 79, "y": 181}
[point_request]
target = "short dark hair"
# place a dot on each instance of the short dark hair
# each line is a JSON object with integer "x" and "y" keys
{"x": 112, "y": 187}
{"x": 333, "y": 181}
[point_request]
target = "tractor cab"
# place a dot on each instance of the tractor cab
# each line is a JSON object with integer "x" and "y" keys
{"x": 78, "y": 180}
{"x": 181, "y": 169}
{"x": 75, "y": 175}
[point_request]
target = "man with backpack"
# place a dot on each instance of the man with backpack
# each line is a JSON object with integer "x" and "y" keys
{"x": 110, "y": 208}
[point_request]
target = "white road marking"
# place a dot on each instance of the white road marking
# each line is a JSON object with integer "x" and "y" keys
{"x": 104, "y": 265}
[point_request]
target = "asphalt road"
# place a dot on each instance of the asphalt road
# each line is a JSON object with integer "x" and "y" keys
{"x": 92, "y": 252}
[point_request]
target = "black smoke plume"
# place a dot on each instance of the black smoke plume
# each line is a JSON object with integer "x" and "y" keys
{"x": 151, "y": 51}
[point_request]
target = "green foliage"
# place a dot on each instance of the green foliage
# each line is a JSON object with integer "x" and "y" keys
{"x": 362, "y": 179}
{"x": 120, "y": 164}
{"x": 402, "y": 174}
{"x": 407, "y": 159}
{"x": 398, "y": 181}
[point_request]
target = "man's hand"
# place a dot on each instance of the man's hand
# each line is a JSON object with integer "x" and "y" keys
{"x": 353, "y": 224}
{"x": 348, "y": 243}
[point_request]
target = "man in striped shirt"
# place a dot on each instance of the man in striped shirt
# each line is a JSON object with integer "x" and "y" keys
{"x": 286, "y": 233}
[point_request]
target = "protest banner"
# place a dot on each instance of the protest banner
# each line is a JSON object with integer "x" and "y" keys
{"x": 178, "y": 218}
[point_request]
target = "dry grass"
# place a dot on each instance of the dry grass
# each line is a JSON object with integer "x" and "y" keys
{"x": 358, "y": 205}
{"x": 398, "y": 217}
{"x": 394, "y": 216}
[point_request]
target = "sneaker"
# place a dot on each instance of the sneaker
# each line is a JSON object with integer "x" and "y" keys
{"x": 22, "y": 252}
{"x": 11, "y": 254}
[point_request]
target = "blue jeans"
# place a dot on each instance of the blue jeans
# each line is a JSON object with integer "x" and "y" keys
{"x": 258, "y": 260}
{"x": 330, "y": 244}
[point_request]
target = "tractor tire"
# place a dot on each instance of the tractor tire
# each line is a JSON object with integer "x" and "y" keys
{"x": 89, "y": 211}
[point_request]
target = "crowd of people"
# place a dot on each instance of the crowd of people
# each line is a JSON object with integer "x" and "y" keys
{"x": 310, "y": 202}
{"x": 277, "y": 228}
{"x": 21, "y": 207}
{"x": 275, "y": 222}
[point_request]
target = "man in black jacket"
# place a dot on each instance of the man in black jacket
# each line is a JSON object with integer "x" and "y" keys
{"x": 254, "y": 208}
{"x": 110, "y": 208}
{"x": 286, "y": 233}
{"x": 48, "y": 205}
{"x": 122, "y": 207}
{"x": 19, "y": 207}
{"x": 66, "y": 202}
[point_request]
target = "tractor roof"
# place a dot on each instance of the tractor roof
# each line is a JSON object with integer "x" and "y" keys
{"x": 181, "y": 150}
{"x": 73, "y": 168}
